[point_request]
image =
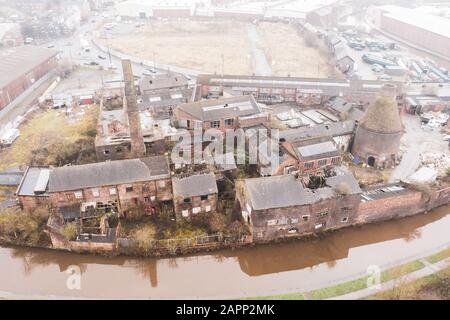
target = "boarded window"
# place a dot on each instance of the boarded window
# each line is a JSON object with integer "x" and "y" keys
{"x": 78, "y": 194}
{"x": 196, "y": 210}
{"x": 208, "y": 208}
{"x": 112, "y": 191}
{"x": 294, "y": 220}
{"x": 272, "y": 222}
{"x": 185, "y": 213}
{"x": 161, "y": 183}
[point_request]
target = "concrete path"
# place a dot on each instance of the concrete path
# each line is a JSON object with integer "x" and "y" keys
{"x": 388, "y": 285}
{"x": 261, "y": 65}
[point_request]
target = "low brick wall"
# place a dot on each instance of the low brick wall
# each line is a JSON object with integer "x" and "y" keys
{"x": 393, "y": 207}
{"x": 89, "y": 246}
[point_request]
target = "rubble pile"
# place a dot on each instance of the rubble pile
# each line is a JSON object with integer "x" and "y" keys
{"x": 435, "y": 120}
{"x": 438, "y": 161}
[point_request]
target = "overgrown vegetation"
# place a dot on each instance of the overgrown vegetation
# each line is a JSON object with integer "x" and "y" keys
{"x": 24, "y": 227}
{"x": 52, "y": 137}
{"x": 70, "y": 231}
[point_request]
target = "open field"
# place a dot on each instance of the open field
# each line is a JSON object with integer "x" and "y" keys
{"x": 200, "y": 45}
{"x": 289, "y": 53}
{"x": 194, "y": 45}
{"x": 51, "y": 137}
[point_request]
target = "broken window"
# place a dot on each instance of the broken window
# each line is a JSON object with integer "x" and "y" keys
{"x": 95, "y": 193}
{"x": 119, "y": 150}
{"x": 106, "y": 152}
{"x": 229, "y": 122}
{"x": 322, "y": 214}
{"x": 309, "y": 165}
{"x": 187, "y": 200}
{"x": 344, "y": 220}
{"x": 305, "y": 218}
{"x": 129, "y": 189}
{"x": 204, "y": 197}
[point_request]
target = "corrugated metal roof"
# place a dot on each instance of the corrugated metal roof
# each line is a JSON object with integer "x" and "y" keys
{"x": 18, "y": 61}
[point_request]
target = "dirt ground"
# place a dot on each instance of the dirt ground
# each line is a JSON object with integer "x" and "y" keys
{"x": 194, "y": 45}
{"x": 200, "y": 45}
{"x": 289, "y": 53}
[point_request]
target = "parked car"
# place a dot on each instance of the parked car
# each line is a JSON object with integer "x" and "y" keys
{"x": 384, "y": 77}
{"x": 100, "y": 56}
{"x": 377, "y": 68}
{"x": 93, "y": 63}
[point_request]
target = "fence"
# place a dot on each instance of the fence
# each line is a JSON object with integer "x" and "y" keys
{"x": 190, "y": 243}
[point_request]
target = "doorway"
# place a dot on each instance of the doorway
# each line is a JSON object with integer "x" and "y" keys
{"x": 371, "y": 161}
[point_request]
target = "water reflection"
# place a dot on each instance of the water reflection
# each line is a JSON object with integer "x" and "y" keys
{"x": 254, "y": 261}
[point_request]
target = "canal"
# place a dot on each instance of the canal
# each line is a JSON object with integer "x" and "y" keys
{"x": 268, "y": 269}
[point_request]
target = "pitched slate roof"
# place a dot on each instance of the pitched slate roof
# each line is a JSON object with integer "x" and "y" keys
{"x": 195, "y": 185}
{"x": 287, "y": 191}
{"x": 108, "y": 173}
{"x": 216, "y": 109}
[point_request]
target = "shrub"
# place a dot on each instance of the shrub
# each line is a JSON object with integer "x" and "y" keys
{"x": 144, "y": 236}
{"x": 23, "y": 227}
{"x": 70, "y": 231}
{"x": 343, "y": 188}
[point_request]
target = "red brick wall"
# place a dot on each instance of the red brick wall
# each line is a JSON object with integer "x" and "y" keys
{"x": 392, "y": 207}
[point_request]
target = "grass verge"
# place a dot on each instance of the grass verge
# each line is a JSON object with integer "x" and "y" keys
{"x": 347, "y": 287}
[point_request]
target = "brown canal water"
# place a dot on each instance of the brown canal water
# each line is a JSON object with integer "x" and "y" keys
{"x": 259, "y": 270}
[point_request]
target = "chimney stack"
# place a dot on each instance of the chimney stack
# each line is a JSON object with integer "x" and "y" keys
{"x": 134, "y": 121}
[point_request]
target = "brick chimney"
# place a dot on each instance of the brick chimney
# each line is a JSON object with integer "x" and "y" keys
{"x": 134, "y": 121}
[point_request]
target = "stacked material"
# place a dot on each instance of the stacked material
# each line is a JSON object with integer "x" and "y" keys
{"x": 438, "y": 161}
